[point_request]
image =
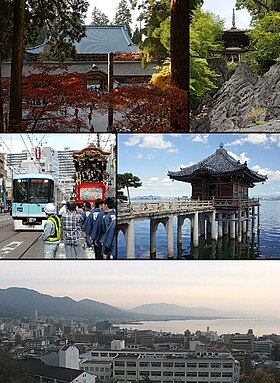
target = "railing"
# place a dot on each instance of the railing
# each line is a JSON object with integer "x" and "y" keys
{"x": 146, "y": 208}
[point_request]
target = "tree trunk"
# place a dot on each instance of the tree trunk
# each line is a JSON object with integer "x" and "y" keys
{"x": 1, "y": 99}
{"x": 16, "y": 67}
{"x": 128, "y": 195}
{"x": 179, "y": 56}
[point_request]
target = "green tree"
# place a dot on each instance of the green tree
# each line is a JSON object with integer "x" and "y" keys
{"x": 99, "y": 18}
{"x": 205, "y": 40}
{"x": 128, "y": 180}
{"x": 123, "y": 15}
{"x": 258, "y": 8}
{"x": 264, "y": 42}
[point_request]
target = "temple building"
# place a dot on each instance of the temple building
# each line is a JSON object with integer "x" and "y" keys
{"x": 225, "y": 183}
{"x": 219, "y": 176}
{"x": 236, "y": 42}
{"x": 90, "y": 58}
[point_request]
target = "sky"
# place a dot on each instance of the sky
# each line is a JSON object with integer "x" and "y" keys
{"x": 15, "y": 143}
{"x": 240, "y": 286}
{"x": 151, "y": 156}
{"x": 109, "y": 8}
{"x": 221, "y": 8}
{"x": 224, "y": 10}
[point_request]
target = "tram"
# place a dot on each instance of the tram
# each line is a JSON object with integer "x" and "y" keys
{"x": 30, "y": 194}
{"x": 91, "y": 177}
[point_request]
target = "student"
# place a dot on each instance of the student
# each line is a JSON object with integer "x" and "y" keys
{"x": 52, "y": 232}
{"x": 72, "y": 232}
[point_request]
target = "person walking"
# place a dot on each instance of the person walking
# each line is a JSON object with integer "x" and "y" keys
{"x": 52, "y": 232}
{"x": 63, "y": 208}
{"x": 72, "y": 232}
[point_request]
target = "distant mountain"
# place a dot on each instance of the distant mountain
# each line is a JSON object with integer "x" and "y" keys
{"x": 18, "y": 302}
{"x": 175, "y": 310}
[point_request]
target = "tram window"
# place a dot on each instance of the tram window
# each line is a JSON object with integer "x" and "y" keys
{"x": 20, "y": 191}
{"x": 39, "y": 190}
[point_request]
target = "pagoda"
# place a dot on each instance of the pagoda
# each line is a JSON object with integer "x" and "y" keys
{"x": 219, "y": 176}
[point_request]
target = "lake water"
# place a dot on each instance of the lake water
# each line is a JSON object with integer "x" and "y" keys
{"x": 267, "y": 246}
{"x": 222, "y": 326}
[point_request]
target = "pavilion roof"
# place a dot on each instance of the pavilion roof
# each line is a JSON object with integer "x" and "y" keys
{"x": 217, "y": 164}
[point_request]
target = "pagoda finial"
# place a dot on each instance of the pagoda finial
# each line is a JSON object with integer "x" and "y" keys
{"x": 233, "y": 19}
{"x": 221, "y": 145}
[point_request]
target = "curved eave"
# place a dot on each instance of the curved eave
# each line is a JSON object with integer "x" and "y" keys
{"x": 250, "y": 176}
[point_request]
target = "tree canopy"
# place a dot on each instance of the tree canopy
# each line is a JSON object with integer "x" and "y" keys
{"x": 264, "y": 42}
{"x": 98, "y": 18}
{"x": 128, "y": 180}
{"x": 205, "y": 41}
{"x": 123, "y": 15}
{"x": 258, "y": 8}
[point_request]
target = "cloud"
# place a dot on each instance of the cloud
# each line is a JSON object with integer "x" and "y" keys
{"x": 272, "y": 175}
{"x": 202, "y": 138}
{"x": 150, "y": 141}
{"x": 275, "y": 139}
{"x": 241, "y": 157}
{"x": 254, "y": 139}
{"x": 153, "y": 179}
{"x": 141, "y": 156}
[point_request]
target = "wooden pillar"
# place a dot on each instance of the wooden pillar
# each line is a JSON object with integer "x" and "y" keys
{"x": 180, "y": 222}
{"x": 239, "y": 226}
{"x": 195, "y": 229}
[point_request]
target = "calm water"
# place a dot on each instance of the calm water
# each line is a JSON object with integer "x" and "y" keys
{"x": 222, "y": 326}
{"x": 267, "y": 246}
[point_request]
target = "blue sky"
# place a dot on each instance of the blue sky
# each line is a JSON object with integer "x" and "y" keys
{"x": 150, "y": 156}
{"x": 224, "y": 10}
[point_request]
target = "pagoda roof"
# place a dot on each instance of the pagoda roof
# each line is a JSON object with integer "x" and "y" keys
{"x": 219, "y": 163}
{"x": 98, "y": 40}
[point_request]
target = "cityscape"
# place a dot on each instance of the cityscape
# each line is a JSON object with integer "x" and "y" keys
{"x": 99, "y": 339}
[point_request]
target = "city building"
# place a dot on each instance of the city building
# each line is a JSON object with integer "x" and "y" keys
{"x": 68, "y": 356}
{"x": 207, "y": 367}
{"x": 45, "y": 373}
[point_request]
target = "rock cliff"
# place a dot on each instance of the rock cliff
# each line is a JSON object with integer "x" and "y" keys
{"x": 243, "y": 103}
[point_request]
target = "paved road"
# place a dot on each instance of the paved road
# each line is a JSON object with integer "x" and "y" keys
{"x": 26, "y": 244}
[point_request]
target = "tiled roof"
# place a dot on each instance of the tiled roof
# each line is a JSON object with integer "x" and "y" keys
{"x": 33, "y": 367}
{"x": 217, "y": 163}
{"x": 99, "y": 40}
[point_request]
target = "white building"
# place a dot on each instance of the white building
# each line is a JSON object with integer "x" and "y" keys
{"x": 103, "y": 370}
{"x": 117, "y": 345}
{"x": 68, "y": 357}
{"x": 200, "y": 368}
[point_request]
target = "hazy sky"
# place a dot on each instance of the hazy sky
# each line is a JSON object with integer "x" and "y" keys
{"x": 15, "y": 143}
{"x": 151, "y": 156}
{"x": 242, "y": 286}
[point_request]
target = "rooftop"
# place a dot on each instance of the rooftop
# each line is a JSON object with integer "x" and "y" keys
{"x": 98, "y": 40}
